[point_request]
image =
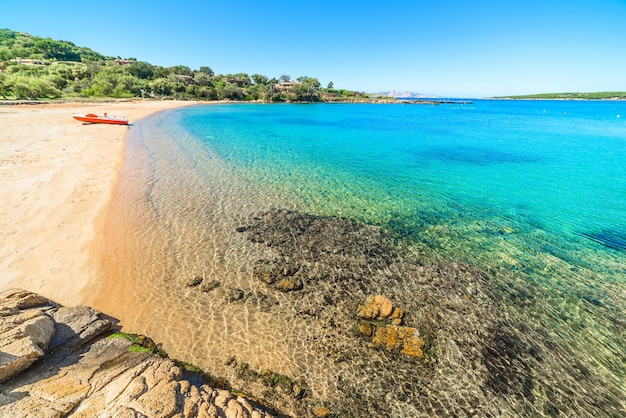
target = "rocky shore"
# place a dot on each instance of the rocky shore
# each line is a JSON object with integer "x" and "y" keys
{"x": 58, "y": 361}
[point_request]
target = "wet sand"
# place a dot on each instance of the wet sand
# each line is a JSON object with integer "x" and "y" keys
{"x": 56, "y": 177}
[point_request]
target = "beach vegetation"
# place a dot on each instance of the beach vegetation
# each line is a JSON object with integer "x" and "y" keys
{"x": 141, "y": 344}
{"x": 306, "y": 89}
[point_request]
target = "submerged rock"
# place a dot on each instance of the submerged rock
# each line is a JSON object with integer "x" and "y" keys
{"x": 391, "y": 335}
{"x": 195, "y": 281}
{"x": 453, "y": 349}
{"x": 375, "y": 307}
{"x": 394, "y": 337}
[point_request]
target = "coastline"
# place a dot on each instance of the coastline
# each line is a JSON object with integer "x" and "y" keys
{"x": 58, "y": 175}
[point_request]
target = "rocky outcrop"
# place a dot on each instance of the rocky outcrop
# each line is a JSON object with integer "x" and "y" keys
{"x": 381, "y": 321}
{"x": 56, "y": 361}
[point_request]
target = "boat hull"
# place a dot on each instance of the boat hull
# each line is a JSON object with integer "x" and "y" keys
{"x": 101, "y": 119}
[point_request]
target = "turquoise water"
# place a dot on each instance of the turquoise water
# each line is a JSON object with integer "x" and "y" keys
{"x": 532, "y": 193}
{"x": 558, "y": 164}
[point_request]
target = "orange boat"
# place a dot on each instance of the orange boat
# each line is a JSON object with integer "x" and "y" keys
{"x": 91, "y": 118}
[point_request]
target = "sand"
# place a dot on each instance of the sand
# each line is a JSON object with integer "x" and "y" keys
{"x": 56, "y": 178}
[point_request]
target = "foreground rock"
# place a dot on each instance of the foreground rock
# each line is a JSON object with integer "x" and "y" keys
{"x": 56, "y": 362}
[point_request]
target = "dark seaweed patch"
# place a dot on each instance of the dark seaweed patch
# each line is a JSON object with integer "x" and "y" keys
{"x": 508, "y": 370}
{"x": 475, "y": 155}
{"x": 610, "y": 238}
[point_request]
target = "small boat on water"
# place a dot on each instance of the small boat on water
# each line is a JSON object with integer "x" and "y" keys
{"x": 91, "y": 118}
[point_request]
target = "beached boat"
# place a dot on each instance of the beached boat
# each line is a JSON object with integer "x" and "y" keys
{"x": 91, "y": 118}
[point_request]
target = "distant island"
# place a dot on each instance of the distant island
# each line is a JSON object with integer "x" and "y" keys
{"x": 606, "y": 95}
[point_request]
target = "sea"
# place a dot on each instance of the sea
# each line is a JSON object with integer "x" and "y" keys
{"x": 530, "y": 193}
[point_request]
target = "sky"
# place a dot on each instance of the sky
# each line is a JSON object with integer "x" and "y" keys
{"x": 449, "y": 48}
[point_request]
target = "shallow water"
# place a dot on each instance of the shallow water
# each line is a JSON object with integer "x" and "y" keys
{"x": 532, "y": 193}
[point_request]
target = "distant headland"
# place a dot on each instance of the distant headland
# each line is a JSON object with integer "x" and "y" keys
{"x": 606, "y": 95}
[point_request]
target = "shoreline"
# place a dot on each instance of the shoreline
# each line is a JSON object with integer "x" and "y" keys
{"x": 58, "y": 176}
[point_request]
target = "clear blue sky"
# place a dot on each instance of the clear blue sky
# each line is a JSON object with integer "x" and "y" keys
{"x": 462, "y": 48}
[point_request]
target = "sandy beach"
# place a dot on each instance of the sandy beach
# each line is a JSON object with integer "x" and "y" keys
{"x": 56, "y": 177}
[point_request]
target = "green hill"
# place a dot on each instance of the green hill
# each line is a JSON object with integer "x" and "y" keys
{"x": 32, "y": 67}
{"x": 22, "y": 45}
{"x": 606, "y": 95}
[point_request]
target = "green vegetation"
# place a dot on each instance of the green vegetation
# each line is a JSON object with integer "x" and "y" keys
{"x": 42, "y": 68}
{"x": 605, "y": 95}
{"x": 141, "y": 344}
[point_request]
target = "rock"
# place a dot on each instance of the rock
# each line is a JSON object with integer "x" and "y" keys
{"x": 397, "y": 314}
{"x": 207, "y": 287}
{"x": 235, "y": 295}
{"x": 366, "y": 328}
{"x": 412, "y": 346}
{"x": 385, "y": 306}
{"x": 195, "y": 281}
{"x": 25, "y": 331}
{"x": 81, "y": 373}
{"x": 289, "y": 284}
{"x": 321, "y": 412}
{"x": 377, "y": 306}
{"x": 297, "y": 391}
{"x": 369, "y": 309}
{"x": 394, "y": 337}
{"x": 27, "y": 344}
{"x": 80, "y": 325}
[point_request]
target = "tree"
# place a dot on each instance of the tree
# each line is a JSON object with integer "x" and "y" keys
{"x": 330, "y": 85}
{"x": 59, "y": 50}
{"x": 5, "y": 85}
{"x": 206, "y": 70}
{"x": 202, "y": 79}
{"x": 180, "y": 70}
{"x": 141, "y": 70}
{"x": 25, "y": 87}
{"x": 306, "y": 89}
{"x": 259, "y": 79}
{"x": 161, "y": 86}
{"x": 284, "y": 78}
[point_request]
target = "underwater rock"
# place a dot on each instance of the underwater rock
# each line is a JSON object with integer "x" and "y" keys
{"x": 391, "y": 336}
{"x": 289, "y": 284}
{"x": 234, "y": 295}
{"x": 207, "y": 287}
{"x": 396, "y": 316}
{"x": 321, "y": 412}
{"x": 394, "y": 337}
{"x": 366, "y": 328}
{"x": 378, "y": 307}
{"x": 195, "y": 281}
{"x": 279, "y": 273}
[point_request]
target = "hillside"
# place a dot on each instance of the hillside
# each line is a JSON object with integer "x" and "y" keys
{"x": 22, "y": 45}
{"x": 32, "y": 67}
